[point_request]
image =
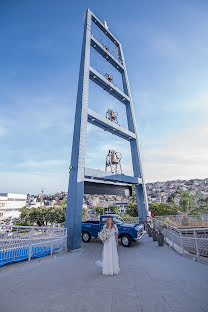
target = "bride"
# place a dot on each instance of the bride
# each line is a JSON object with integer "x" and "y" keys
{"x": 110, "y": 265}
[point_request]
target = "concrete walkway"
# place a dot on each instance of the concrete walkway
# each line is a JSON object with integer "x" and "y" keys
{"x": 152, "y": 278}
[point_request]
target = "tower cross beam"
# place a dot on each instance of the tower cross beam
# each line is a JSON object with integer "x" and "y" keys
{"x": 109, "y": 126}
{"x": 104, "y": 175}
{"x": 108, "y": 86}
{"x": 104, "y": 30}
{"x": 107, "y": 55}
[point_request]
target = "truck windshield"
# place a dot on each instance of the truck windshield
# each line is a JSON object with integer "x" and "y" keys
{"x": 118, "y": 219}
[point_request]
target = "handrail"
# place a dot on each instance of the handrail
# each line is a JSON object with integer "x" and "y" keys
{"x": 180, "y": 229}
{"x": 176, "y": 237}
{"x": 193, "y": 238}
{"x": 30, "y": 239}
{"x": 29, "y": 242}
{"x": 28, "y": 227}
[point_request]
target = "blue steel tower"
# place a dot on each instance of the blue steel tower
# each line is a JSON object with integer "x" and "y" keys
{"x": 85, "y": 180}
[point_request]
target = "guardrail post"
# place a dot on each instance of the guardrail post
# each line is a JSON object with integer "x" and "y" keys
{"x": 31, "y": 233}
{"x": 196, "y": 244}
{"x": 65, "y": 247}
{"x": 181, "y": 236}
{"x": 52, "y": 242}
{"x": 172, "y": 238}
{"x": 30, "y": 250}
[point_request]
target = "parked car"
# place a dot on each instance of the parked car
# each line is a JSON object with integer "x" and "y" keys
{"x": 126, "y": 232}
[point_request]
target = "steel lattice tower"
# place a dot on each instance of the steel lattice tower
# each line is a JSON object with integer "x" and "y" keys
{"x": 82, "y": 178}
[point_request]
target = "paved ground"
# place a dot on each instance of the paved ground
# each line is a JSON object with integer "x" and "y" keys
{"x": 152, "y": 278}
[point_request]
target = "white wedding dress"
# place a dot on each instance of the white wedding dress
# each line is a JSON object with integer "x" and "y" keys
{"x": 110, "y": 264}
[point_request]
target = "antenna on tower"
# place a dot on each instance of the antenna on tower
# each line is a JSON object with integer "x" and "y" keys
{"x": 105, "y": 24}
{"x": 41, "y": 198}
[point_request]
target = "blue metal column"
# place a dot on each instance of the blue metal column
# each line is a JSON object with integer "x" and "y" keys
{"x": 141, "y": 195}
{"x": 73, "y": 221}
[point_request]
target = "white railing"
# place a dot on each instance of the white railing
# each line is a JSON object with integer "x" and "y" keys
{"x": 16, "y": 231}
{"x": 192, "y": 241}
{"x": 185, "y": 220}
{"x": 26, "y": 242}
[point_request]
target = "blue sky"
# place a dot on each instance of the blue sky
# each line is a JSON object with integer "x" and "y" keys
{"x": 165, "y": 46}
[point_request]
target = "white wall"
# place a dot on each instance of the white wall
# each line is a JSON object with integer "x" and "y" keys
{"x": 10, "y": 204}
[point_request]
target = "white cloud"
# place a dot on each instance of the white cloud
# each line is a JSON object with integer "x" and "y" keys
{"x": 185, "y": 156}
{"x": 32, "y": 183}
{"x": 202, "y": 103}
{"x": 3, "y": 130}
{"x": 42, "y": 163}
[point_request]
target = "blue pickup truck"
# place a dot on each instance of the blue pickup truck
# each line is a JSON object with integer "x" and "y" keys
{"x": 126, "y": 232}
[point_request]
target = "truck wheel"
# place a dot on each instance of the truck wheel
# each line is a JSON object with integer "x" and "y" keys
{"x": 86, "y": 237}
{"x": 126, "y": 240}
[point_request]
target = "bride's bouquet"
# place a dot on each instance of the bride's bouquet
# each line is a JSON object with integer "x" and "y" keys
{"x": 103, "y": 235}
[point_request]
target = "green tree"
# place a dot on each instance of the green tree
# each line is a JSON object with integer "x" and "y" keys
{"x": 132, "y": 209}
{"x": 162, "y": 209}
{"x": 189, "y": 202}
{"x": 84, "y": 212}
{"x": 171, "y": 198}
{"x": 24, "y": 218}
{"x": 202, "y": 209}
{"x": 113, "y": 208}
{"x": 43, "y": 216}
{"x": 99, "y": 210}
{"x": 8, "y": 220}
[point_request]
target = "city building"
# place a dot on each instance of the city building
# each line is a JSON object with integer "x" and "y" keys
{"x": 122, "y": 207}
{"x": 11, "y": 204}
{"x": 32, "y": 203}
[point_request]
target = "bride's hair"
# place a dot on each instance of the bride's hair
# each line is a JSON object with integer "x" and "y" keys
{"x": 108, "y": 220}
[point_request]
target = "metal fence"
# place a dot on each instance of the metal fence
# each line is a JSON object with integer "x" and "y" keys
{"x": 192, "y": 241}
{"x": 25, "y": 242}
{"x": 185, "y": 221}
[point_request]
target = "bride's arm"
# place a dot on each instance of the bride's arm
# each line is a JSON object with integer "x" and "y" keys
{"x": 116, "y": 235}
